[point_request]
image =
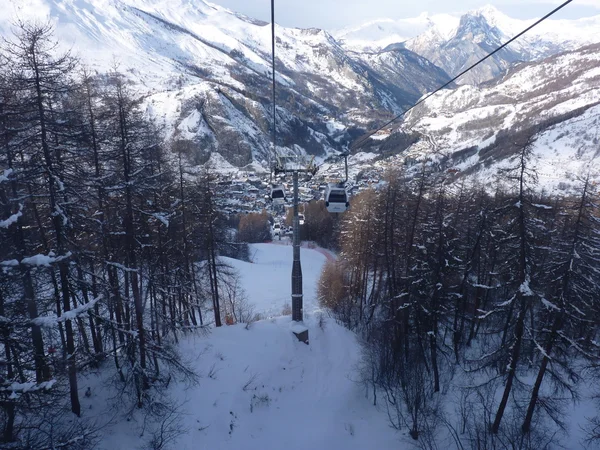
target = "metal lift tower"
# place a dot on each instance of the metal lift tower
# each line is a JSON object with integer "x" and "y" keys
{"x": 299, "y": 329}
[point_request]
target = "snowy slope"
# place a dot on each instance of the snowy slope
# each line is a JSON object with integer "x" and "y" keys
{"x": 556, "y": 102}
{"x": 207, "y": 70}
{"x": 261, "y": 388}
{"x": 299, "y": 397}
{"x": 270, "y": 297}
{"x": 455, "y": 42}
{"x": 268, "y": 391}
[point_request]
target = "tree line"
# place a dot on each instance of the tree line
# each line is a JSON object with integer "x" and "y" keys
{"x": 489, "y": 292}
{"x": 109, "y": 242}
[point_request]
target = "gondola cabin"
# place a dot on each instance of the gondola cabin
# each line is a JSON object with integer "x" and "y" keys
{"x": 301, "y": 219}
{"x": 278, "y": 194}
{"x": 336, "y": 198}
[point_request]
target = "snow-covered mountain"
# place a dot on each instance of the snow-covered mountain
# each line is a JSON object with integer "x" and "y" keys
{"x": 455, "y": 42}
{"x": 208, "y": 69}
{"x": 375, "y": 35}
{"x": 473, "y": 129}
{"x": 205, "y": 71}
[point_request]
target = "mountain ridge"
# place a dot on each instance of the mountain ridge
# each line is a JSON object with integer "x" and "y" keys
{"x": 473, "y": 130}
{"x": 453, "y": 42}
{"x": 171, "y": 47}
{"x": 205, "y": 71}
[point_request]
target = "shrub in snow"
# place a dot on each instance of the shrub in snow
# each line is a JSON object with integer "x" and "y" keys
{"x": 254, "y": 227}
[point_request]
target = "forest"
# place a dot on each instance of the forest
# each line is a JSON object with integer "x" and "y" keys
{"x": 100, "y": 244}
{"x": 491, "y": 287}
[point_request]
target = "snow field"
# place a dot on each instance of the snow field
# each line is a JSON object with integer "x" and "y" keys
{"x": 267, "y": 279}
{"x": 260, "y": 388}
{"x": 270, "y": 391}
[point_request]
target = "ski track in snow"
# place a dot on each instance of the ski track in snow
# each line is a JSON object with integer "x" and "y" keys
{"x": 267, "y": 279}
{"x": 261, "y": 388}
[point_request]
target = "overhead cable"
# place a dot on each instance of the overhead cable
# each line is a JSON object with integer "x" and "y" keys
{"x": 364, "y": 139}
{"x": 273, "y": 80}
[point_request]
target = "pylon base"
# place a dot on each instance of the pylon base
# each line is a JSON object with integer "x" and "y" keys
{"x": 301, "y": 332}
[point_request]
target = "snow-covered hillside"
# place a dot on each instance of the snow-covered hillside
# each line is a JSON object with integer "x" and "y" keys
{"x": 455, "y": 42}
{"x": 260, "y": 387}
{"x": 207, "y": 71}
{"x": 204, "y": 70}
{"x": 556, "y": 102}
{"x": 272, "y": 297}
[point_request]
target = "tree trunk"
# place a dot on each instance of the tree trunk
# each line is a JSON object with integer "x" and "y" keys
{"x": 58, "y": 229}
{"x": 8, "y": 406}
{"x": 434, "y": 362}
{"x": 542, "y": 371}
{"x": 512, "y": 369}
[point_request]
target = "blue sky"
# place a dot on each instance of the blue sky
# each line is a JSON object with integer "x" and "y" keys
{"x": 333, "y": 14}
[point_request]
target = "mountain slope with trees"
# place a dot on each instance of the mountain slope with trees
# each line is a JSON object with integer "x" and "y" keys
{"x": 100, "y": 245}
{"x": 472, "y": 130}
{"x": 205, "y": 71}
{"x": 477, "y": 306}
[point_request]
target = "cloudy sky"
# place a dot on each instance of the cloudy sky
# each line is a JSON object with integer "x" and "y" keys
{"x": 334, "y": 14}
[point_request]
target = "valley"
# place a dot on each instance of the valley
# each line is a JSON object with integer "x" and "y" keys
{"x": 151, "y": 291}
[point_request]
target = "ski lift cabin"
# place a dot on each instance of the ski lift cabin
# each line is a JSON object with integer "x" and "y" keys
{"x": 336, "y": 198}
{"x": 278, "y": 194}
{"x": 301, "y": 219}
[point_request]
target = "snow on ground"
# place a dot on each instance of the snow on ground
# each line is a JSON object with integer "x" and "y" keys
{"x": 267, "y": 279}
{"x": 261, "y": 388}
{"x": 298, "y": 396}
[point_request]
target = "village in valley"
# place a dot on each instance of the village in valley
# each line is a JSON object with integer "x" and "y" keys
{"x": 240, "y": 191}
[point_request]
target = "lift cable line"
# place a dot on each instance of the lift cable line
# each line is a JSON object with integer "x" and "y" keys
{"x": 364, "y": 139}
{"x": 281, "y": 166}
{"x": 274, "y": 134}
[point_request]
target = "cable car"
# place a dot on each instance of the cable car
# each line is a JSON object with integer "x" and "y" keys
{"x": 277, "y": 194}
{"x": 336, "y": 198}
{"x": 277, "y": 229}
{"x": 301, "y": 219}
